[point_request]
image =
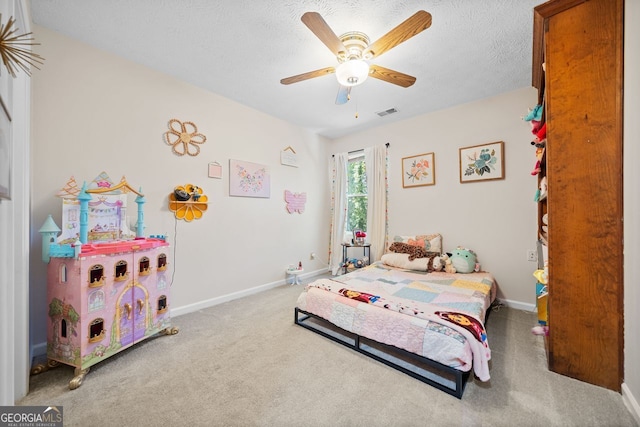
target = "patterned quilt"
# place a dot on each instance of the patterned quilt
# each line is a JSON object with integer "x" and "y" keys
{"x": 437, "y": 315}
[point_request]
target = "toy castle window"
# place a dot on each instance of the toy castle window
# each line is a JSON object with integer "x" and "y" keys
{"x": 96, "y": 275}
{"x": 162, "y": 304}
{"x": 62, "y": 273}
{"x": 143, "y": 266}
{"x": 63, "y": 328}
{"x": 96, "y": 330}
{"x": 162, "y": 262}
{"x": 121, "y": 271}
{"x": 96, "y": 300}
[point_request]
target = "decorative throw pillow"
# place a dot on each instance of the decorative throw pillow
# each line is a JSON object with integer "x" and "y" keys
{"x": 417, "y": 242}
{"x": 430, "y": 242}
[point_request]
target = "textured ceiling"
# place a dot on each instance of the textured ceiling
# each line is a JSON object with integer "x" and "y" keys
{"x": 240, "y": 49}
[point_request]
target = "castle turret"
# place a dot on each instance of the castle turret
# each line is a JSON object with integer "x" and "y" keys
{"x": 140, "y": 200}
{"x": 84, "y": 198}
{"x": 49, "y": 232}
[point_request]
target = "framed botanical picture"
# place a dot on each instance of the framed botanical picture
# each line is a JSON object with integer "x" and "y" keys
{"x": 418, "y": 170}
{"x": 248, "y": 179}
{"x": 482, "y": 162}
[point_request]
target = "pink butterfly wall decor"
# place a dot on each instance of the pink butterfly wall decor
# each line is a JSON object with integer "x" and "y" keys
{"x": 295, "y": 201}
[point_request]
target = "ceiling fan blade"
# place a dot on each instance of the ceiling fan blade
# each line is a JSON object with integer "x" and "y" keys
{"x": 417, "y": 23}
{"x": 344, "y": 94}
{"x": 319, "y": 27}
{"x": 391, "y": 76}
{"x": 307, "y": 76}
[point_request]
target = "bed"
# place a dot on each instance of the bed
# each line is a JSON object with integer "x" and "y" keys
{"x": 427, "y": 324}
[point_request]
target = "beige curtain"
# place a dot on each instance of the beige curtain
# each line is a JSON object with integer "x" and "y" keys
{"x": 338, "y": 210}
{"x": 376, "y": 163}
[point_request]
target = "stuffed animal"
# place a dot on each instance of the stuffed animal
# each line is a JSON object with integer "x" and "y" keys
{"x": 538, "y": 167}
{"x": 413, "y": 251}
{"x": 535, "y": 114}
{"x": 540, "y": 143}
{"x": 463, "y": 260}
{"x": 541, "y": 134}
{"x": 448, "y": 267}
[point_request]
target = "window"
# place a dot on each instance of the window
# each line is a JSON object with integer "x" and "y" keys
{"x": 96, "y": 275}
{"x": 144, "y": 266}
{"x": 121, "y": 271}
{"x": 356, "y": 193}
{"x": 62, "y": 273}
{"x": 162, "y": 304}
{"x": 96, "y": 330}
{"x": 162, "y": 262}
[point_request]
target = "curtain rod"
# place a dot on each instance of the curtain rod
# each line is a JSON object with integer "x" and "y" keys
{"x": 355, "y": 151}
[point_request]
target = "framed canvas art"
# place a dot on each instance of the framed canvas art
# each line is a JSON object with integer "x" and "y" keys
{"x": 482, "y": 162}
{"x": 418, "y": 170}
{"x": 248, "y": 179}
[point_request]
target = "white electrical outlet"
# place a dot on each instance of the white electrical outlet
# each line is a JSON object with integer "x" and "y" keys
{"x": 532, "y": 256}
{"x": 312, "y": 256}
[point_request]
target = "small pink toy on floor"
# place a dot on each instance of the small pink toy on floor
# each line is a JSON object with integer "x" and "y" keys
{"x": 540, "y": 330}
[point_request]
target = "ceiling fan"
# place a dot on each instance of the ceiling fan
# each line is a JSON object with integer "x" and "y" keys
{"x": 353, "y": 50}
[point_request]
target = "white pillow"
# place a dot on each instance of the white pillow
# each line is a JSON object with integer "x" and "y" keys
{"x": 419, "y": 264}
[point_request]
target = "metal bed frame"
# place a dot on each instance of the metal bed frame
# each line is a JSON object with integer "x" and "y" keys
{"x": 419, "y": 367}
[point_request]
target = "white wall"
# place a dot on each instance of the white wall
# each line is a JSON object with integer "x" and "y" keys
{"x": 497, "y": 219}
{"x": 14, "y": 228}
{"x": 95, "y": 112}
{"x": 631, "y": 386}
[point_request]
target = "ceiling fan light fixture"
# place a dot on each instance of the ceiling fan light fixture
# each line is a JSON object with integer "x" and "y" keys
{"x": 352, "y": 72}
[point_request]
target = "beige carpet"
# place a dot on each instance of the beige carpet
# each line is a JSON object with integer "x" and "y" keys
{"x": 245, "y": 363}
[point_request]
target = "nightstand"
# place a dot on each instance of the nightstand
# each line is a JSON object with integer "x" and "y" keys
{"x": 366, "y": 249}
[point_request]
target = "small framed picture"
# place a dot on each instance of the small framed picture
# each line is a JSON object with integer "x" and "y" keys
{"x": 482, "y": 162}
{"x": 215, "y": 170}
{"x": 418, "y": 170}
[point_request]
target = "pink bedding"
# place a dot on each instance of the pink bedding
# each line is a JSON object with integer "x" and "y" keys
{"x": 436, "y": 315}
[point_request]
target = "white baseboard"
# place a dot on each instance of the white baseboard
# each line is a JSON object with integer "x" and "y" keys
{"x": 40, "y": 349}
{"x": 518, "y": 305}
{"x": 191, "y": 308}
{"x": 631, "y": 402}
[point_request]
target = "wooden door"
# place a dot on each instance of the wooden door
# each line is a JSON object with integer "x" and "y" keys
{"x": 583, "y": 58}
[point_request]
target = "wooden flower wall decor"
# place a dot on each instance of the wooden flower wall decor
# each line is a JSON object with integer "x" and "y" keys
{"x": 184, "y": 138}
{"x": 12, "y": 49}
